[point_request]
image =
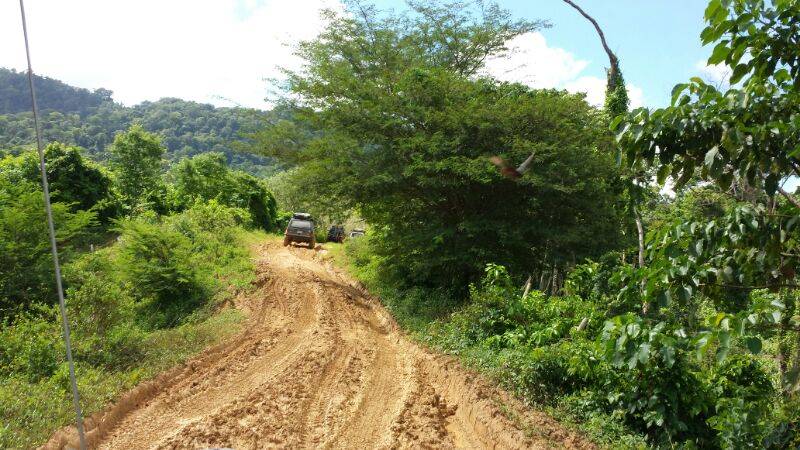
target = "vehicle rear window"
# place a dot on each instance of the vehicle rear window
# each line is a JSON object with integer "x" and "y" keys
{"x": 303, "y": 224}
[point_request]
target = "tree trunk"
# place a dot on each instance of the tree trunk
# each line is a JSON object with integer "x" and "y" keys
{"x": 527, "y": 286}
{"x": 640, "y": 231}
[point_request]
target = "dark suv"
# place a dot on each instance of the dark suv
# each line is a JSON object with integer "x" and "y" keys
{"x": 336, "y": 233}
{"x": 300, "y": 229}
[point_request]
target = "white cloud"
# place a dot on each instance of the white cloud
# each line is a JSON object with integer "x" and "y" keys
{"x": 531, "y": 61}
{"x": 595, "y": 90}
{"x": 716, "y": 74}
{"x": 536, "y": 64}
{"x": 210, "y": 50}
{"x": 199, "y": 50}
{"x": 593, "y": 87}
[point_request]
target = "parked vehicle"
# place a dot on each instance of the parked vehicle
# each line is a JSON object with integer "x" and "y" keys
{"x": 300, "y": 229}
{"x": 336, "y": 233}
{"x": 358, "y": 232}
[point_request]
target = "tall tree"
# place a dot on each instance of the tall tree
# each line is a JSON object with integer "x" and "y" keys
{"x": 135, "y": 157}
{"x": 617, "y": 103}
{"x": 404, "y": 132}
{"x": 746, "y": 136}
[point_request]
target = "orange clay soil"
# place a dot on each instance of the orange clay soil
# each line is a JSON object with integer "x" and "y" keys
{"x": 321, "y": 364}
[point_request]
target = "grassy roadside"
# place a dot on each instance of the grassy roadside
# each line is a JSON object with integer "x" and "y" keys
{"x": 433, "y": 320}
{"x": 36, "y": 401}
{"x": 32, "y": 411}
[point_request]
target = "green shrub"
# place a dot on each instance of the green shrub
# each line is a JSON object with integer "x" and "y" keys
{"x": 588, "y": 407}
{"x": 31, "y": 346}
{"x": 282, "y": 220}
{"x": 102, "y": 313}
{"x": 213, "y": 216}
{"x": 745, "y": 397}
{"x": 211, "y": 220}
{"x": 157, "y": 262}
{"x": 74, "y": 179}
{"x": 26, "y": 265}
{"x": 786, "y": 432}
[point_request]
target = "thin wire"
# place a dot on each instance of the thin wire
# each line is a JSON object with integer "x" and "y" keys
{"x": 51, "y": 228}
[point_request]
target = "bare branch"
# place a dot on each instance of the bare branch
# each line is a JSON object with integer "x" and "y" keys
{"x": 527, "y": 286}
{"x": 525, "y": 166}
{"x": 612, "y": 58}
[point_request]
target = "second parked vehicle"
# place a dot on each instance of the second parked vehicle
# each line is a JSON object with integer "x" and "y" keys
{"x": 336, "y": 233}
{"x": 300, "y": 229}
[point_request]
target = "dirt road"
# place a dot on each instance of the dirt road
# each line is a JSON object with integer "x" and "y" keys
{"x": 320, "y": 365}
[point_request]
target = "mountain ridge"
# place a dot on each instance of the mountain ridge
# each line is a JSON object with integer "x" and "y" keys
{"x": 90, "y": 119}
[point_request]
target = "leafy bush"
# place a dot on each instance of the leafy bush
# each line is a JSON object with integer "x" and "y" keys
{"x": 653, "y": 392}
{"x": 210, "y": 217}
{"x": 136, "y": 308}
{"x": 31, "y": 346}
{"x": 282, "y": 220}
{"x": 743, "y": 407}
{"x": 157, "y": 262}
{"x": 74, "y": 180}
{"x": 26, "y": 267}
{"x": 102, "y": 313}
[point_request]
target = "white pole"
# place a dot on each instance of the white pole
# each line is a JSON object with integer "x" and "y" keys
{"x": 53, "y": 247}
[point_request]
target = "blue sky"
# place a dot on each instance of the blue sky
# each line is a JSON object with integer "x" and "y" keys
{"x": 657, "y": 41}
{"x": 221, "y": 51}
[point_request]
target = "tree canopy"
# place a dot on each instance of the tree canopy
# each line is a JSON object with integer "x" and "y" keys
{"x": 391, "y": 119}
{"x": 207, "y": 177}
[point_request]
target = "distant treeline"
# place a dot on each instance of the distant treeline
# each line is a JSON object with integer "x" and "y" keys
{"x": 90, "y": 119}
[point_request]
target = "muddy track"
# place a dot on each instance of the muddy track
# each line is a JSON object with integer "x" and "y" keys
{"x": 320, "y": 365}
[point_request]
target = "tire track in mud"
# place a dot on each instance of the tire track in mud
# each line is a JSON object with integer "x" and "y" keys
{"x": 320, "y": 365}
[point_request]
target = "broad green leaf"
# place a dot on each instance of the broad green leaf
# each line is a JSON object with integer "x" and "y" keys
{"x": 711, "y": 156}
{"x": 664, "y": 298}
{"x": 685, "y": 293}
{"x": 724, "y": 338}
{"x": 738, "y": 72}
{"x": 663, "y": 173}
{"x": 617, "y": 120}
{"x": 720, "y": 52}
{"x": 668, "y": 355}
{"x": 677, "y": 90}
{"x": 753, "y": 344}
{"x": 644, "y": 353}
{"x": 711, "y": 9}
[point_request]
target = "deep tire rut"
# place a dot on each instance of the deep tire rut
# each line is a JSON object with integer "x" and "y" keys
{"x": 320, "y": 365}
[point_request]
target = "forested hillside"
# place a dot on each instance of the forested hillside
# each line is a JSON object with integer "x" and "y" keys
{"x": 91, "y": 119}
